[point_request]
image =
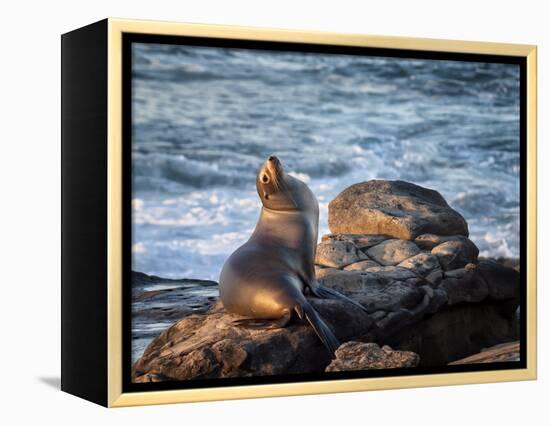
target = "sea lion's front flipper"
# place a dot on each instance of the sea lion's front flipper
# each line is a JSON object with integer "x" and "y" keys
{"x": 321, "y": 329}
{"x": 323, "y": 292}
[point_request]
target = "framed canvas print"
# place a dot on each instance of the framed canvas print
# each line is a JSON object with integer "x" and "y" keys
{"x": 254, "y": 212}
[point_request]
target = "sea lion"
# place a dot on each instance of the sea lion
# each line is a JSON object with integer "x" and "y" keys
{"x": 266, "y": 277}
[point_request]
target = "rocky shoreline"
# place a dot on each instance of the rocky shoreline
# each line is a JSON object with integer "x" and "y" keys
{"x": 398, "y": 249}
{"x": 159, "y": 302}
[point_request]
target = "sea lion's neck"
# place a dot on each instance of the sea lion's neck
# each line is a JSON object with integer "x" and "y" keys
{"x": 291, "y": 228}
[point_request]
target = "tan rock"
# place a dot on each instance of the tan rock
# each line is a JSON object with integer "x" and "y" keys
{"x": 358, "y": 356}
{"x": 395, "y": 208}
{"x": 456, "y": 253}
{"x": 429, "y": 241}
{"x": 362, "y": 265}
{"x": 504, "y": 352}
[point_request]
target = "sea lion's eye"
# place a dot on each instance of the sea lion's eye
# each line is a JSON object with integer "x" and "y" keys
{"x": 265, "y": 178}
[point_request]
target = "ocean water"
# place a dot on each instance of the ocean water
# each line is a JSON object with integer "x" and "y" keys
{"x": 204, "y": 120}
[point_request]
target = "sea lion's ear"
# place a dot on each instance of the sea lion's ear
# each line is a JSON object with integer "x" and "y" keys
{"x": 266, "y": 196}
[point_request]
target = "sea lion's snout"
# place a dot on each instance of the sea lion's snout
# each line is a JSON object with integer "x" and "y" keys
{"x": 272, "y": 168}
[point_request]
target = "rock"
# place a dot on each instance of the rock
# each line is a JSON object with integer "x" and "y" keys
{"x": 504, "y": 352}
{"x": 343, "y": 281}
{"x": 463, "y": 285}
{"x": 393, "y": 252}
{"x": 513, "y": 263}
{"x": 454, "y": 333}
{"x": 337, "y": 254}
{"x": 158, "y": 302}
{"x": 389, "y": 296}
{"x": 502, "y": 282}
{"x": 215, "y": 345}
{"x": 456, "y": 253}
{"x": 442, "y": 317}
{"x": 378, "y": 291}
{"x": 422, "y": 263}
{"x": 362, "y": 265}
{"x": 391, "y": 272}
{"x": 438, "y": 300}
{"x": 378, "y": 315}
{"x": 361, "y": 241}
{"x": 395, "y": 208}
{"x": 357, "y": 356}
{"x": 394, "y": 321}
{"x": 434, "y": 277}
{"x": 429, "y": 241}
{"x": 319, "y": 269}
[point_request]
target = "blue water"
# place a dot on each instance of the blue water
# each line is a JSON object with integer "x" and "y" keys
{"x": 204, "y": 119}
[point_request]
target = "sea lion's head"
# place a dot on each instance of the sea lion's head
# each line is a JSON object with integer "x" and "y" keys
{"x": 280, "y": 191}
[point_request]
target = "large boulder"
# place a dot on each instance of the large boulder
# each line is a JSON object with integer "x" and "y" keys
{"x": 358, "y": 356}
{"x": 395, "y": 208}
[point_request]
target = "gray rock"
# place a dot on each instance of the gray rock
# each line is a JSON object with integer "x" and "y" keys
{"x": 394, "y": 321}
{"x": 454, "y": 332}
{"x": 343, "y": 281}
{"x": 463, "y": 285}
{"x": 362, "y": 265}
{"x": 391, "y": 272}
{"x": 393, "y": 252}
{"x": 337, "y": 254}
{"x": 437, "y": 301}
{"x": 378, "y": 315}
{"x": 383, "y": 295}
{"x": 434, "y": 277}
{"x": 395, "y": 208}
{"x": 422, "y": 263}
{"x": 456, "y": 254}
{"x": 358, "y": 356}
{"x": 503, "y": 282}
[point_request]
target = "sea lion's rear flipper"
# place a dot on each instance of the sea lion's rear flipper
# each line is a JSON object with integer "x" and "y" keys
{"x": 265, "y": 324}
{"x": 323, "y": 292}
{"x": 319, "y": 326}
